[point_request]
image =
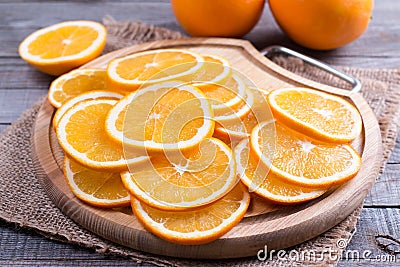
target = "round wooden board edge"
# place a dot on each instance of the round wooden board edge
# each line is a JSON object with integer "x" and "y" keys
{"x": 240, "y": 247}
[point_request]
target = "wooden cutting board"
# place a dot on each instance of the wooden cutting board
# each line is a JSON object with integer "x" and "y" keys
{"x": 265, "y": 224}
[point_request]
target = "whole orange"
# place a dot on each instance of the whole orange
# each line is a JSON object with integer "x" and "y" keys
{"x": 322, "y": 24}
{"x": 225, "y": 18}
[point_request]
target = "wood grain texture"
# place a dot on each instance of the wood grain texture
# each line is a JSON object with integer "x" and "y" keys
{"x": 14, "y": 102}
{"x": 374, "y": 223}
{"x": 18, "y": 245}
{"x": 3, "y": 126}
{"x": 282, "y": 228}
{"x": 379, "y": 47}
{"x": 383, "y": 32}
{"x": 388, "y": 182}
{"x": 386, "y": 190}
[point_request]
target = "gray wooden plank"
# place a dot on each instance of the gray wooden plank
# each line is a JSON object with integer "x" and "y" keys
{"x": 3, "y": 126}
{"x": 383, "y": 28}
{"x": 16, "y": 15}
{"x": 22, "y": 245}
{"x": 382, "y": 38}
{"x": 364, "y": 246}
{"x": 363, "y": 263}
{"x": 382, "y": 34}
{"x": 386, "y": 190}
{"x": 14, "y": 102}
{"x": 66, "y": 262}
{"x": 18, "y": 245}
{"x": 17, "y": 74}
{"x": 395, "y": 156}
{"x": 16, "y": 24}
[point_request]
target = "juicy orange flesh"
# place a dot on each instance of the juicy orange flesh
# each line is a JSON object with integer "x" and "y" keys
{"x": 152, "y": 66}
{"x": 210, "y": 70}
{"x": 119, "y": 122}
{"x": 163, "y": 118}
{"x": 102, "y": 185}
{"x": 242, "y": 127}
{"x": 80, "y": 84}
{"x": 222, "y": 93}
{"x": 203, "y": 219}
{"x": 301, "y": 156}
{"x": 64, "y": 41}
{"x": 263, "y": 179}
{"x": 325, "y": 114}
{"x": 86, "y": 133}
{"x": 197, "y": 175}
{"x": 230, "y": 111}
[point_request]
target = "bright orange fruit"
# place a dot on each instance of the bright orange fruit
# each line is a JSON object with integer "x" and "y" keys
{"x": 266, "y": 184}
{"x": 171, "y": 182}
{"x": 81, "y": 134}
{"x": 317, "y": 114}
{"x": 302, "y": 160}
{"x": 62, "y": 47}
{"x": 322, "y": 24}
{"x": 199, "y": 226}
{"x": 217, "y": 17}
{"x": 100, "y": 189}
{"x": 154, "y": 66}
{"x": 166, "y": 116}
{"x": 79, "y": 98}
{"x": 75, "y": 83}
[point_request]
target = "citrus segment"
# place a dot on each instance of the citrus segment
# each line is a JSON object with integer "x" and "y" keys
{"x": 75, "y": 83}
{"x": 84, "y": 96}
{"x": 240, "y": 128}
{"x": 82, "y": 136}
{"x": 184, "y": 182}
{"x": 266, "y": 184}
{"x": 322, "y": 25}
{"x": 226, "y": 95}
{"x": 317, "y": 114}
{"x": 62, "y": 47}
{"x": 161, "y": 117}
{"x": 226, "y": 115}
{"x": 199, "y": 226}
{"x": 302, "y": 160}
{"x": 215, "y": 69}
{"x": 100, "y": 189}
{"x": 130, "y": 72}
{"x": 217, "y": 18}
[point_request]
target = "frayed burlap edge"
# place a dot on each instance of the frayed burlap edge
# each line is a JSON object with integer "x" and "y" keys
{"x": 41, "y": 214}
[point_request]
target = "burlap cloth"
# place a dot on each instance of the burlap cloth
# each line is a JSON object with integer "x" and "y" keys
{"x": 24, "y": 202}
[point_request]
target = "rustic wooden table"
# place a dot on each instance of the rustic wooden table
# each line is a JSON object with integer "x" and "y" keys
{"x": 21, "y": 85}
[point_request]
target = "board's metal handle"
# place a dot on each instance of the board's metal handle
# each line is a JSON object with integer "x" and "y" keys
{"x": 268, "y": 51}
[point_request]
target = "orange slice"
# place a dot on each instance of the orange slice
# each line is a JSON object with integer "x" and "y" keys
{"x": 302, "y": 160}
{"x": 130, "y": 72}
{"x": 266, "y": 184}
{"x": 75, "y": 83}
{"x": 62, "y": 47}
{"x": 181, "y": 183}
{"x": 100, "y": 189}
{"x": 227, "y": 95}
{"x": 81, "y": 134}
{"x": 227, "y": 115}
{"x": 240, "y": 128}
{"x": 215, "y": 69}
{"x": 237, "y": 129}
{"x": 319, "y": 115}
{"x": 167, "y": 116}
{"x": 84, "y": 96}
{"x": 199, "y": 226}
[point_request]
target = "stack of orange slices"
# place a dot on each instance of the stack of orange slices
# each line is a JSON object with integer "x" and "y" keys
{"x": 184, "y": 139}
